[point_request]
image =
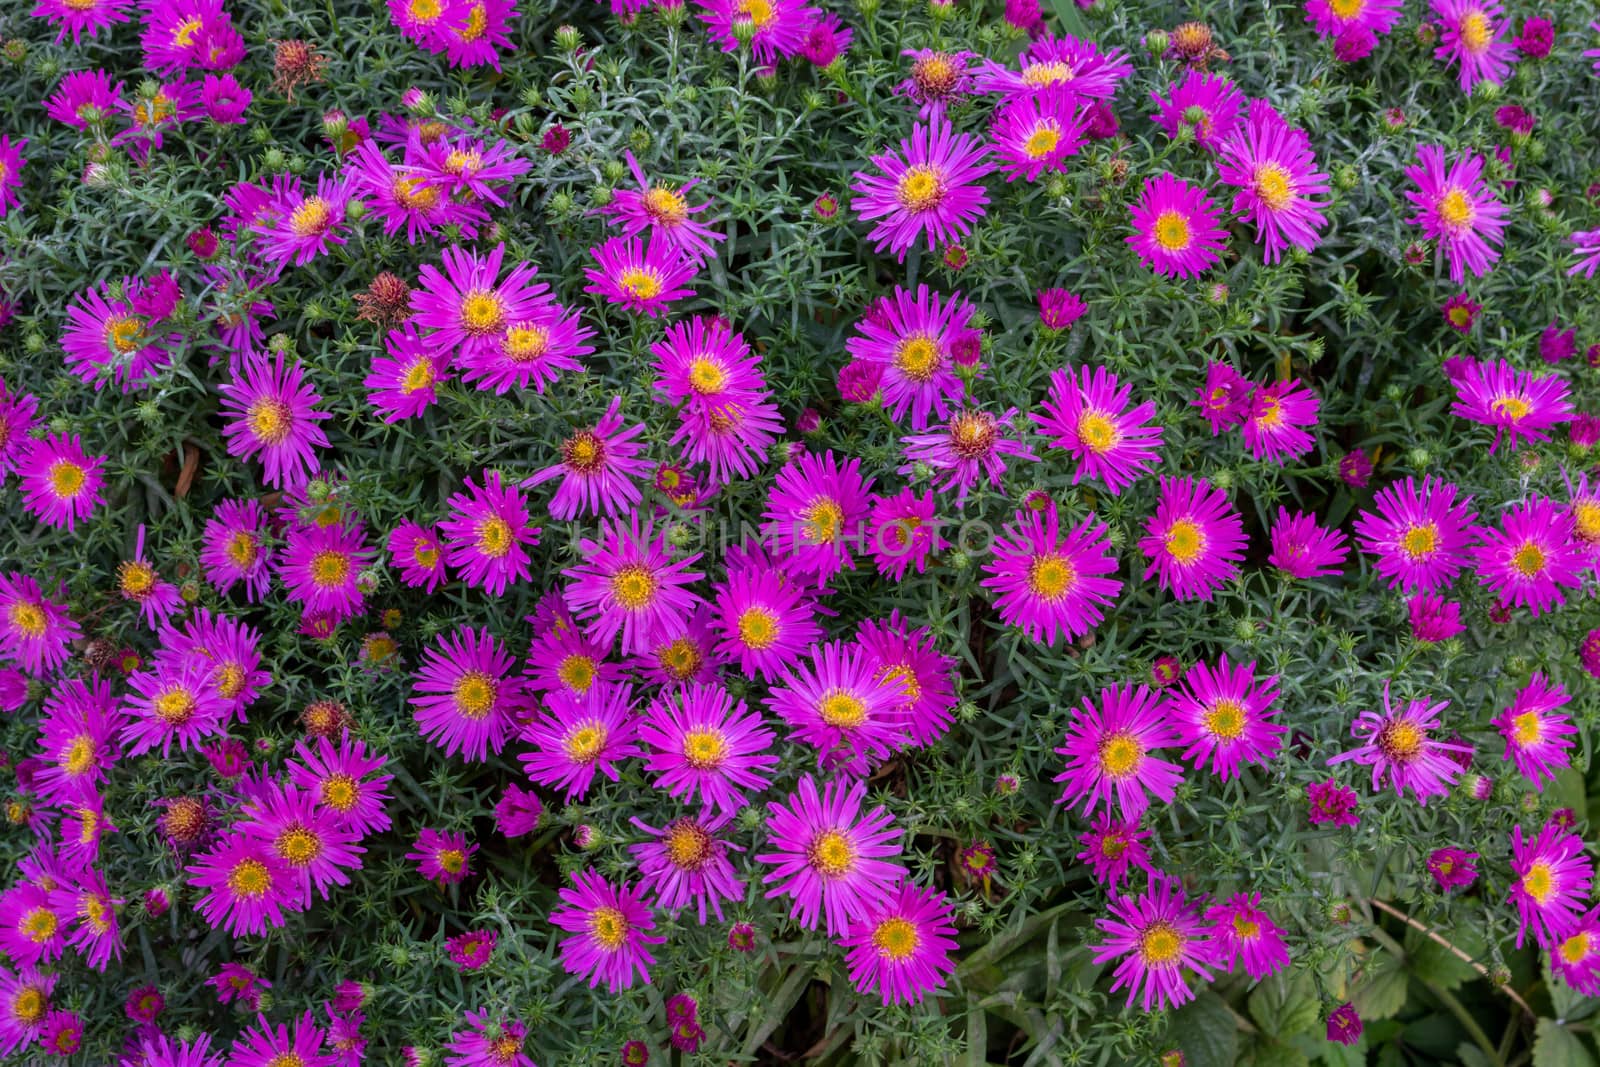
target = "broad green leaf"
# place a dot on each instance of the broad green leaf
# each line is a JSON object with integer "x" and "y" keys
{"x": 1206, "y": 1032}
{"x": 1284, "y": 1006}
{"x": 1471, "y": 1055}
{"x": 1433, "y": 962}
{"x": 1383, "y": 993}
{"x": 1262, "y": 1051}
{"x": 1556, "y": 1046}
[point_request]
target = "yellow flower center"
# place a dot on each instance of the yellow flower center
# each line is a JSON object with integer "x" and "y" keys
{"x": 688, "y": 845}
{"x": 425, "y": 553}
{"x": 1575, "y": 949}
{"x": 577, "y": 673}
{"x": 329, "y": 569}
{"x": 921, "y": 188}
{"x": 39, "y": 925}
{"x": 451, "y": 860}
{"x": 1459, "y": 316}
{"x": 1044, "y": 139}
{"x": 823, "y": 519}
{"x": 1245, "y": 928}
{"x": 758, "y": 12}
{"x": 1539, "y": 882}
{"x": 842, "y": 710}
{"x": 241, "y": 549}
{"x": 758, "y": 628}
{"x": 525, "y": 343}
{"x": 1185, "y": 541}
{"x": 230, "y": 680}
{"x": 123, "y": 333}
{"x": 1586, "y": 519}
{"x": 340, "y": 792}
{"x": 79, "y": 757}
{"x": 477, "y": 24}
{"x": 1514, "y": 408}
{"x": 896, "y": 939}
{"x": 918, "y": 357}
{"x": 136, "y": 579}
{"x": 1052, "y": 72}
{"x": 270, "y": 420}
{"x": 175, "y": 707}
{"x": 250, "y": 879}
{"x": 1274, "y": 187}
{"x": 973, "y": 434}
{"x": 634, "y": 587}
{"x": 483, "y": 312}
{"x": 1420, "y": 542}
{"x": 418, "y": 376}
{"x": 1400, "y": 741}
{"x": 67, "y": 479}
{"x": 1172, "y": 231}
{"x": 1456, "y": 210}
{"x": 1475, "y": 31}
{"x": 643, "y": 282}
{"x": 707, "y": 377}
{"x": 1051, "y": 576}
{"x": 910, "y": 688}
{"x": 680, "y": 658}
{"x": 666, "y": 205}
{"x": 609, "y": 927}
{"x": 583, "y": 745}
{"x": 1526, "y": 728}
{"x": 298, "y": 846}
{"x": 413, "y": 194}
{"x": 424, "y": 10}
{"x": 1347, "y": 9}
{"x": 704, "y": 750}
{"x": 494, "y": 537}
{"x": 30, "y": 1005}
{"x": 1120, "y": 754}
{"x": 475, "y": 694}
{"x": 1528, "y": 560}
{"x": 1160, "y": 945}
{"x": 312, "y": 218}
{"x": 831, "y": 854}
{"x": 1225, "y": 719}
{"x": 183, "y": 36}
{"x": 1097, "y": 432}
{"x": 584, "y": 452}
{"x": 29, "y": 618}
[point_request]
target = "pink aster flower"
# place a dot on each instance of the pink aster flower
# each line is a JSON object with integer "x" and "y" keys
{"x": 1586, "y": 247}
{"x": 24, "y": 1006}
{"x": 610, "y": 929}
{"x": 1275, "y": 429}
{"x": 518, "y": 811}
{"x": 17, "y": 411}
{"x": 1538, "y": 734}
{"x": 1336, "y": 18}
{"x": 273, "y": 416}
{"x": 909, "y": 660}
{"x": 297, "y": 228}
{"x": 533, "y": 350}
{"x": 1302, "y": 549}
{"x": 1112, "y": 847}
{"x": 60, "y": 482}
{"x": 641, "y": 277}
{"x": 442, "y": 857}
{"x": 307, "y": 838}
{"x": 1455, "y": 207}
{"x": 1036, "y": 133}
{"x": 488, "y": 1042}
{"x": 766, "y": 621}
{"x": 81, "y": 18}
{"x": 11, "y": 163}
{"x": 931, "y": 188}
{"x": 343, "y": 779}
{"x": 1226, "y": 397}
{"x": 35, "y": 632}
{"x": 685, "y": 862}
{"x": 224, "y": 99}
{"x": 1397, "y": 743}
{"x": 1552, "y": 883}
{"x": 319, "y": 568}
{"x": 576, "y": 739}
{"x": 903, "y": 532}
{"x": 1532, "y": 557}
{"x": 416, "y": 551}
{"x": 1460, "y": 312}
{"x": 901, "y": 947}
{"x": 1331, "y": 803}
{"x": 1419, "y": 536}
{"x": 403, "y": 382}
{"x": 971, "y": 444}
{"x": 77, "y": 739}
{"x": 1242, "y": 931}
{"x": 704, "y": 743}
{"x": 61, "y": 1035}
{"x": 598, "y": 468}
{"x": 1109, "y": 753}
{"x": 628, "y": 583}
{"x": 475, "y": 31}
{"x": 488, "y": 534}
{"x": 471, "y": 950}
{"x": 1206, "y": 103}
{"x": 1048, "y": 581}
{"x": 246, "y": 889}
{"x": 662, "y": 208}
{"x": 1194, "y": 540}
{"x": 1434, "y": 619}
{"x": 936, "y": 79}
{"x": 1224, "y": 716}
{"x": 468, "y": 305}
{"x": 1452, "y": 868}
{"x": 842, "y": 707}
{"x": 1158, "y": 935}
{"x": 913, "y": 339}
{"x": 1068, "y": 62}
{"x": 32, "y": 929}
{"x": 174, "y": 702}
{"x": 466, "y": 695}
{"x": 829, "y": 859}
{"x": 299, "y": 1042}
{"x": 1060, "y": 308}
{"x": 1088, "y": 416}
{"x": 1176, "y": 231}
{"x": 774, "y": 30}
{"x": 85, "y": 98}
{"x": 1577, "y": 957}
{"x": 1272, "y": 166}
{"x": 815, "y": 509}
{"x": 106, "y": 339}
{"x": 1517, "y": 404}
{"x": 139, "y": 584}
{"x": 1471, "y": 36}
{"x": 234, "y": 548}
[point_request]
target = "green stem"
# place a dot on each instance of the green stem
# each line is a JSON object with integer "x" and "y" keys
{"x": 1468, "y": 1023}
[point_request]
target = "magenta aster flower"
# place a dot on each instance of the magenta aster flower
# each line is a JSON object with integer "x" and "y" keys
{"x": 475, "y": 31}
{"x": 35, "y": 632}
{"x": 1455, "y": 208}
{"x": 1398, "y": 744}
{"x": 32, "y": 928}
{"x": 931, "y": 188}
{"x": 307, "y": 838}
{"x": 486, "y": 533}
{"x": 469, "y": 306}
{"x": 1226, "y": 397}
{"x": 296, "y": 228}
{"x": 402, "y": 383}
{"x": 234, "y": 548}
{"x": 610, "y": 928}
{"x": 518, "y": 811}
{"x": 534, "y": 350}
{"x": 1112, "y": 847}
{"x": 662, "y": 208}
{"x": 1577, "y": 958}
{"x": 246, "y": 889}
{"x": 106, "y": 340}
{"x": 1452, "y": 868}
{"x": 774, "y": 29}
{"x": 81, "y": 17}
{"x": 1337, "y": 18}
{"x": 24, "y": 1005}
{"x": 1206, "y": 103}
{"x": 1538, "y": 734}
{"x": 901, "y": 948}
{"x": 1088, "y": 416}
{"x": 903, "y": 532}
{"x": 60, "y": 482}
{"x": 598, "y": 468}
{"x": 1460, "y": 312}
{"x": 416, "y": 551}
{"x": 641, "y": 277}
{"x": 629, "y": 584}
{"x": 139, "y": 584}
{"x": 319, "y": 569}
{"x": 273, "y": 415}
{"x": 1302, "y": 549}
{"x": 61, "y": 1034}
{"x": 1158, "y": 935}
{"x": 487, "y": 1042}
{"x": 466, "y": 694}
{"x": 442, "y": 857}
{"x": 11, "y": 163}
{"x": 705, "y": 365}
{"x": 1586, "y": 247}
{"x": 1275, "y": 428}
{"x": 1176, "y": 231}
{"x": 684, "y": 863}
{"x": 1060, "y": 308}
{"x": 1433, "y": 618}
{"x": 1471, "y": 36}
{"x": 1036, "y": 133}
{"x": 471, "y": 950}
{"x": 909, "y": 659}
{"x": 830, "y": 860}
{"x": 1532, "y": 557}
{"x": 76, "y": 739}
{"x": 1069, "y": 62}
{"x": 338, "y": 777}
{"x": 264, "y": 1045}
{"x": 1419, "y": 537}
{"x": 766, "y": 621}
{"x": 913, "y": 339}
{"x": 576, "y": 739}
{"x": 704, "y": 743}
{"x": 971, "y": 444}
{"x": 1272, "y": 166}
{"x": 1517, "y": 404}
{"x": 1194, "y": 540}
{"x": 1331, "y": 803}
{"x": 1109, "y": 750}
{"x": 1224, "y": 716}
{"x": 1048, "y": 581}
{"x": 815, "y": 509}
{"x": 17, "y": 411}
{"x": 173, "y": 703}
{"x": 1241, "y": 930}
{"x": 842, "y": 707}
{"x": 936, "y": 79}
{"x": 681, "y": 654}
{"x": 1552, "y": 883}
